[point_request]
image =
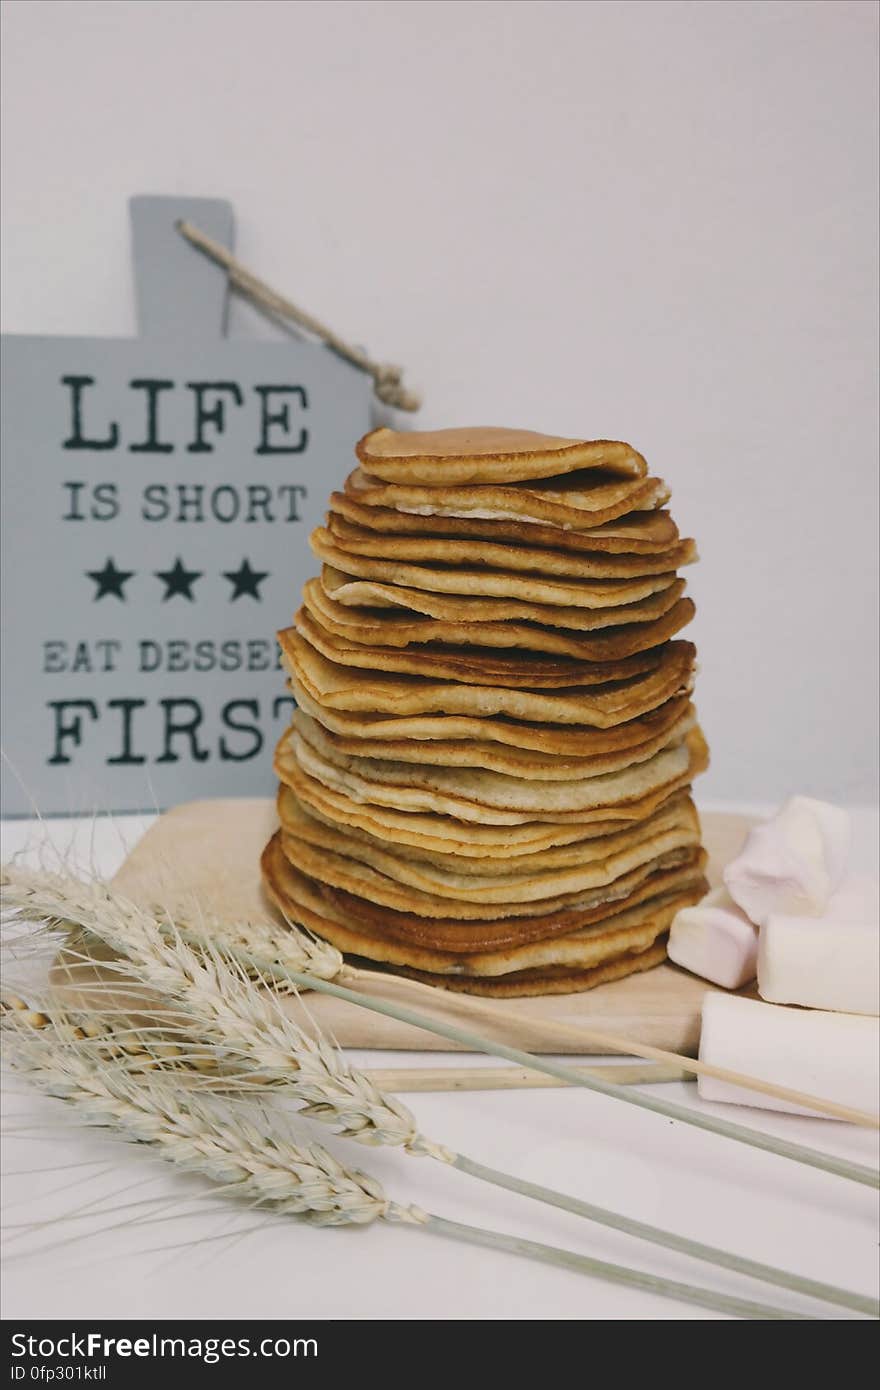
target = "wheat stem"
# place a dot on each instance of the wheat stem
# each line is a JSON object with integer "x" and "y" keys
{"x": 613, "y": 1274}
{"x": 768, "y": 1274}
{"x": 813, "y": 1158}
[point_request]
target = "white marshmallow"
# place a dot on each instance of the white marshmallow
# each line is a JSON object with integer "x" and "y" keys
{"x": 831, "y": 963}
{"x": 716, "y": 940}
{"x": 835, "y": 1056}
{"x": 792, "y": 863}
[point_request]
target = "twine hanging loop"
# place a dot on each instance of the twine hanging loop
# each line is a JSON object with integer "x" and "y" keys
{"x": 387, "y": 378}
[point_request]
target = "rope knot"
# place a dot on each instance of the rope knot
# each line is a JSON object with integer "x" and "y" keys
{"x": 390, "y": 388}
{"x": 387, "y": 379}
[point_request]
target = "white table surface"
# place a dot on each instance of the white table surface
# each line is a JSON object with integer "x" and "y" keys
{"x": 180, "y": 1253}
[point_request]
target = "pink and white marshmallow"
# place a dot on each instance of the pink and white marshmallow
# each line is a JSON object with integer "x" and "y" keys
{"x": 716, "y": 940}
{"x": 792, "y": 864}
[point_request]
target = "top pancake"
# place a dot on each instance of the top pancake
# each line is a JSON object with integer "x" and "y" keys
{"x": 487, "y": 454}
{"x": 580, "y": 501}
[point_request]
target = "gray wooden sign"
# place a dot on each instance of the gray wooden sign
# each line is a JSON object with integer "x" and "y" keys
{"x": 158, "y": 494}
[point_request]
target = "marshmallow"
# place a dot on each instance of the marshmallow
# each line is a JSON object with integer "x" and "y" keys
{"x": 835, "y": 1056}
{"x": 716, "y": 940}
{"x": 791, "y": 864}
{"x": 832, "y": 963}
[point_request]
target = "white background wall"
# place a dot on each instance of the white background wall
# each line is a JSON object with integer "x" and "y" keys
{"x": 653, "y": 221}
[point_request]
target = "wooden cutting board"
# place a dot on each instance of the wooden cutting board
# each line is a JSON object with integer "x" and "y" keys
{"x": 210, "y": 850}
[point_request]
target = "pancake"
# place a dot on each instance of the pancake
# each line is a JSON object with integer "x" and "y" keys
{"x": 549, "y": 739}
{"x": 496, "y": 583}
{"x": 678, "y": 812}
{"x": 382, "y": 890}
{"x": 486, "y": 454}
{"x": 452, "y": 944}
{"x": 336, "y": 917}
{"x": 417, "y": 885}
{"x": 347, "y": 688}
{"x": 512, "y": 762}
{"x": 350, "y": 591}
{"x": 378, "y": 809}
{"x": 472, "y": 666}
{"x": 359, "y": 541}
{"x": 525, "y": 984}
{"x": 635, "y": 534}
{"x": 425, "y": 831}
{"x": 392, "y": 628}
{"x": 579, "y": 502}
{"x": 472, "y": 794}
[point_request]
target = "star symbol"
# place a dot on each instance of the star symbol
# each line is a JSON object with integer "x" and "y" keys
{"x": 244, "y": 580}
{"x": 109, "y": 580}
{"x": 178, "y": 580}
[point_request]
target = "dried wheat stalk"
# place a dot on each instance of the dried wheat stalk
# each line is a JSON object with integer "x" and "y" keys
{"x": 67, "y": 900}
{"x": 247, "y": 1031}
{"x": 91, "y": 904}
{"x": 266, "y": 1169}
{"x": 243, "y": 1023}
{"x": 191, "y": 1132}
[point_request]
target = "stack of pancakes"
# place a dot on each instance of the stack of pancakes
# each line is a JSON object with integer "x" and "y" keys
{"x": 486, "y": 784}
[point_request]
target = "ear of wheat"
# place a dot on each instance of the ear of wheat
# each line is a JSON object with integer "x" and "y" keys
{"x": 91, "y": 904}
{"x": 243, "y": 1023}
{"x": 251, "y": 1160}
{"x": 254, "y": 1041}
{"x": 189, "y": 1131}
